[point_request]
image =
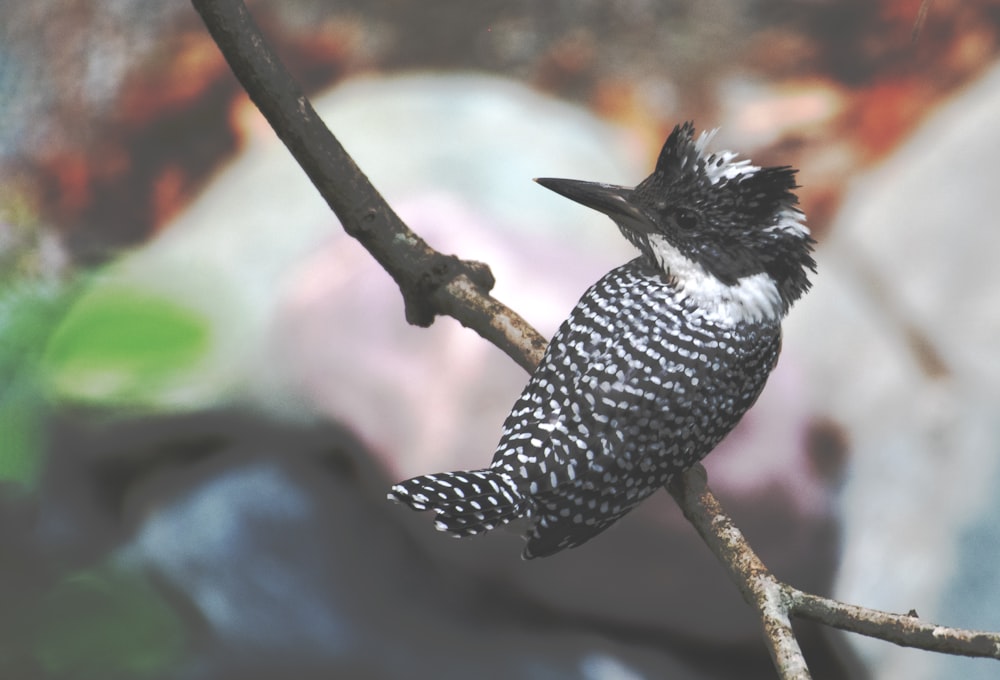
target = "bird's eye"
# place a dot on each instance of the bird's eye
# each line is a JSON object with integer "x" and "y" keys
{"x": 685, "y": 219}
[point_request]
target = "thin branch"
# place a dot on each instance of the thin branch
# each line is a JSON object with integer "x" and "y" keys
{"x": 494, "y": 321}
{"x": 759, "y": 588}
{"x": 902, "y": 629}
{"x": 433, "y": 283}
{"x": 758, "y": 585}
{"x": 918, "y": 24}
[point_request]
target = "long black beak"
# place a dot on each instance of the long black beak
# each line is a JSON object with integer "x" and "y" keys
{"x": 614, "y": 201}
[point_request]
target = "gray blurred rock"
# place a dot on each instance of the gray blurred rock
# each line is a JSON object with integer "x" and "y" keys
{"x": 280, "y": 546}
{"x": 901, "y": 337}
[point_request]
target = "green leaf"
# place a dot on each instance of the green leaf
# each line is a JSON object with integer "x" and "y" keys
{"x": 121, "y": 347}
{"x": 28, "y": 314}
{"x": 103, "y": 624}
{"x": 20, "y": 431}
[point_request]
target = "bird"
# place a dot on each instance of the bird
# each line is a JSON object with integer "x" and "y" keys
{"x": 656, "y": 363}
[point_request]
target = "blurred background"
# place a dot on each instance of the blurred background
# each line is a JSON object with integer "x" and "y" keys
{"x": 206, "y": 387}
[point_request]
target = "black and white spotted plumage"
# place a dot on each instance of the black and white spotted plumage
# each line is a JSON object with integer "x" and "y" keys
{"x": 657, "y": 362}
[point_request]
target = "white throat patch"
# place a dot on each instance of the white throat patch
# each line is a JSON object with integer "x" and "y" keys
{"x": 751, "y": 299}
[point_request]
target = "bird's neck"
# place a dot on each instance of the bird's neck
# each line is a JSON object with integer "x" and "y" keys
{"x": 752, "y": 299}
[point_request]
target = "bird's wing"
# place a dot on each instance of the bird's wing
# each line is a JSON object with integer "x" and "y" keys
{"x": 658, "y": 399}
{"x": 591, "y": 481}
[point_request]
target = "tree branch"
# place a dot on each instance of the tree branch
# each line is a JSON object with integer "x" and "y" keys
{"x": 775, "y": 600}
{"x": 433, "y": 283}
{"x": 759, "y": 588}
{"x": 905, "y": 630}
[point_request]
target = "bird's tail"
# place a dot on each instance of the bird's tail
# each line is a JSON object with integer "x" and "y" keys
{"x": 466, "y": 503}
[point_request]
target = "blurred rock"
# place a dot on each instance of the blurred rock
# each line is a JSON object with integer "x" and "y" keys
{"x": 900, "y": 336}
{"x": 275, "y": 544}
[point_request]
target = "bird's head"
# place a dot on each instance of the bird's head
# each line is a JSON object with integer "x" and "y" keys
{"x": 725, "y": 231}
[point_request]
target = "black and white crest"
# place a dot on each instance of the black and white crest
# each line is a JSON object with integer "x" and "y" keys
{"x": 728, "y": 216}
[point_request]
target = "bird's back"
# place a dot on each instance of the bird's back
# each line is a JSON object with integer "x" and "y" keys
{"x": 637, "y": 384}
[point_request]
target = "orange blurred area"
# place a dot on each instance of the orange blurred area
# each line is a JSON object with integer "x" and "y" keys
{"x": 122, "y": 165}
